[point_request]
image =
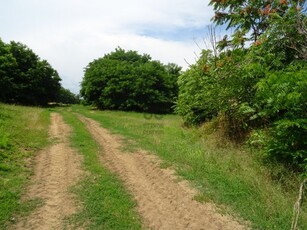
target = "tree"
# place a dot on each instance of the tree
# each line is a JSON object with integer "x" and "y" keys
{"x": 173, "y": 72}
{"x": 65, "y": 96}
{"x": 126, "y": 80}
{"x": 25, "y": 78}
{"x": 197, "y": 91}
{"x": 287, "y": 36}
{"x": 8, "y": 65}
{"x": 250, "y": 15}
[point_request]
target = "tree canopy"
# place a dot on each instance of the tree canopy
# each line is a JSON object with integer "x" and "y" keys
{"x": 126, "y": 80}
{"x": 65, "y": 96}
{"x": 24, "y": 77}
{"x": 250, "y": 15}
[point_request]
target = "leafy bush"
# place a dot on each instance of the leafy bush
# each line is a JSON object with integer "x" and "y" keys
{"x": 282, "y": 97}
{"x": 196, "y": 100}
{"x": 125, "y": 80}
{"x": 223, "y": 84}
{"x": 67, "y": 97}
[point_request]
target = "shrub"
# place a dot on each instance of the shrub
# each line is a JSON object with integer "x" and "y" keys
{"x": 282, "y": 97}
{"x": 125, "y": 80}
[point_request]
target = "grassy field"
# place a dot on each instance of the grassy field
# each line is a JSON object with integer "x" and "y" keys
{"x": 106, "y": 204}
{"x": 23, "y": 130}
{"x": 233, "y": 177}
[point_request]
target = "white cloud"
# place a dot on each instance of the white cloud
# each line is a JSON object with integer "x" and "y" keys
{"x": 71, "y": 33}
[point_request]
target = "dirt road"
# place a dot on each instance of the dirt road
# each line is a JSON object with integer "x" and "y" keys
{"x": 162, "y": 202}
{"x": 57, "y": 168}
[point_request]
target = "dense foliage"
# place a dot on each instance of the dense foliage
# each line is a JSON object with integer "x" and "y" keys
{"x": 24, "y": 77}
{"x": 251, "y": 16}
{"x": 126, "y": 80}
{"x": 260, "y": 90}
{"x": 65, "y": 96}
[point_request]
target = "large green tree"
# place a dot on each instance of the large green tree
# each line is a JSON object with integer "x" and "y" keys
{"x": 126, "y": 80}
{"x": 24, "y": 77}
{"x": 65, "y": 96}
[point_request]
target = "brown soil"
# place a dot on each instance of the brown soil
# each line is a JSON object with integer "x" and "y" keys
{"x": 163, "y": 202}
{"x": 56, "y": 169}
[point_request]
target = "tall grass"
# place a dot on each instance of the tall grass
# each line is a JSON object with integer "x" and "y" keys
{"x": 234, "y": 177}
{"x": 23, "y": 130}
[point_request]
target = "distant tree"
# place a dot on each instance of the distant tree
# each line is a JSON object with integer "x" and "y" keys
{"x": 67, "y": 97}
{"x": 8, "y": 66}
{"x": 25, "y": 78}
{"x": 173, "y": 71}
{"x": 126, "y": 80}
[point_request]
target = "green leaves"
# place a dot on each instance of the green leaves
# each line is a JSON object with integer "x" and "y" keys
{"x": 287, "y": 142}
{"x": 253, "y": 18}
{"x": 125, "y": 80}
{"x": 284, "y": 91}
{"x": 262, "y": 87}
{"x": 25, "y": 78}
{"x": 67, "y": 97}
{"x": 197, "y": 92}
{"x": 282, "y": 100}
{"x": 218, "y": 85}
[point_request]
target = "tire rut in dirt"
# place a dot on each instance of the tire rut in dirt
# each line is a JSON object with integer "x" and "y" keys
{"x": 56, "y": 169}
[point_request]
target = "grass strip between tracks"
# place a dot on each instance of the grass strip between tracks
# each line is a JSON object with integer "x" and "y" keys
{"x": 105, "y": 203}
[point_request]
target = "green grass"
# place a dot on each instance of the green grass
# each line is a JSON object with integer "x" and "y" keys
{"x": 105, "y": 203}
{"x": 23, "y": 130}
{"x": 233, "y": 177}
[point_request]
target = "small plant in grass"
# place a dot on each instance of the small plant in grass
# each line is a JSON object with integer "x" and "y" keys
{"x": 4, "y": 141}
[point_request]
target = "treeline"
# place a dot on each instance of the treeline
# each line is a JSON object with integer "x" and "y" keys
{"x": 258, "y": 91}
{"x": 126, "y": 80}
{"x": 26, "y": 79}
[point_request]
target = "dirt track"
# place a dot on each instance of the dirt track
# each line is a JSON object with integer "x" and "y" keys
{"x": 57, "y": 168}
{"x": 162, "y": 202}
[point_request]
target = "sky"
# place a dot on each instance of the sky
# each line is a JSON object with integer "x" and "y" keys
{"x": 69, "y": 34}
